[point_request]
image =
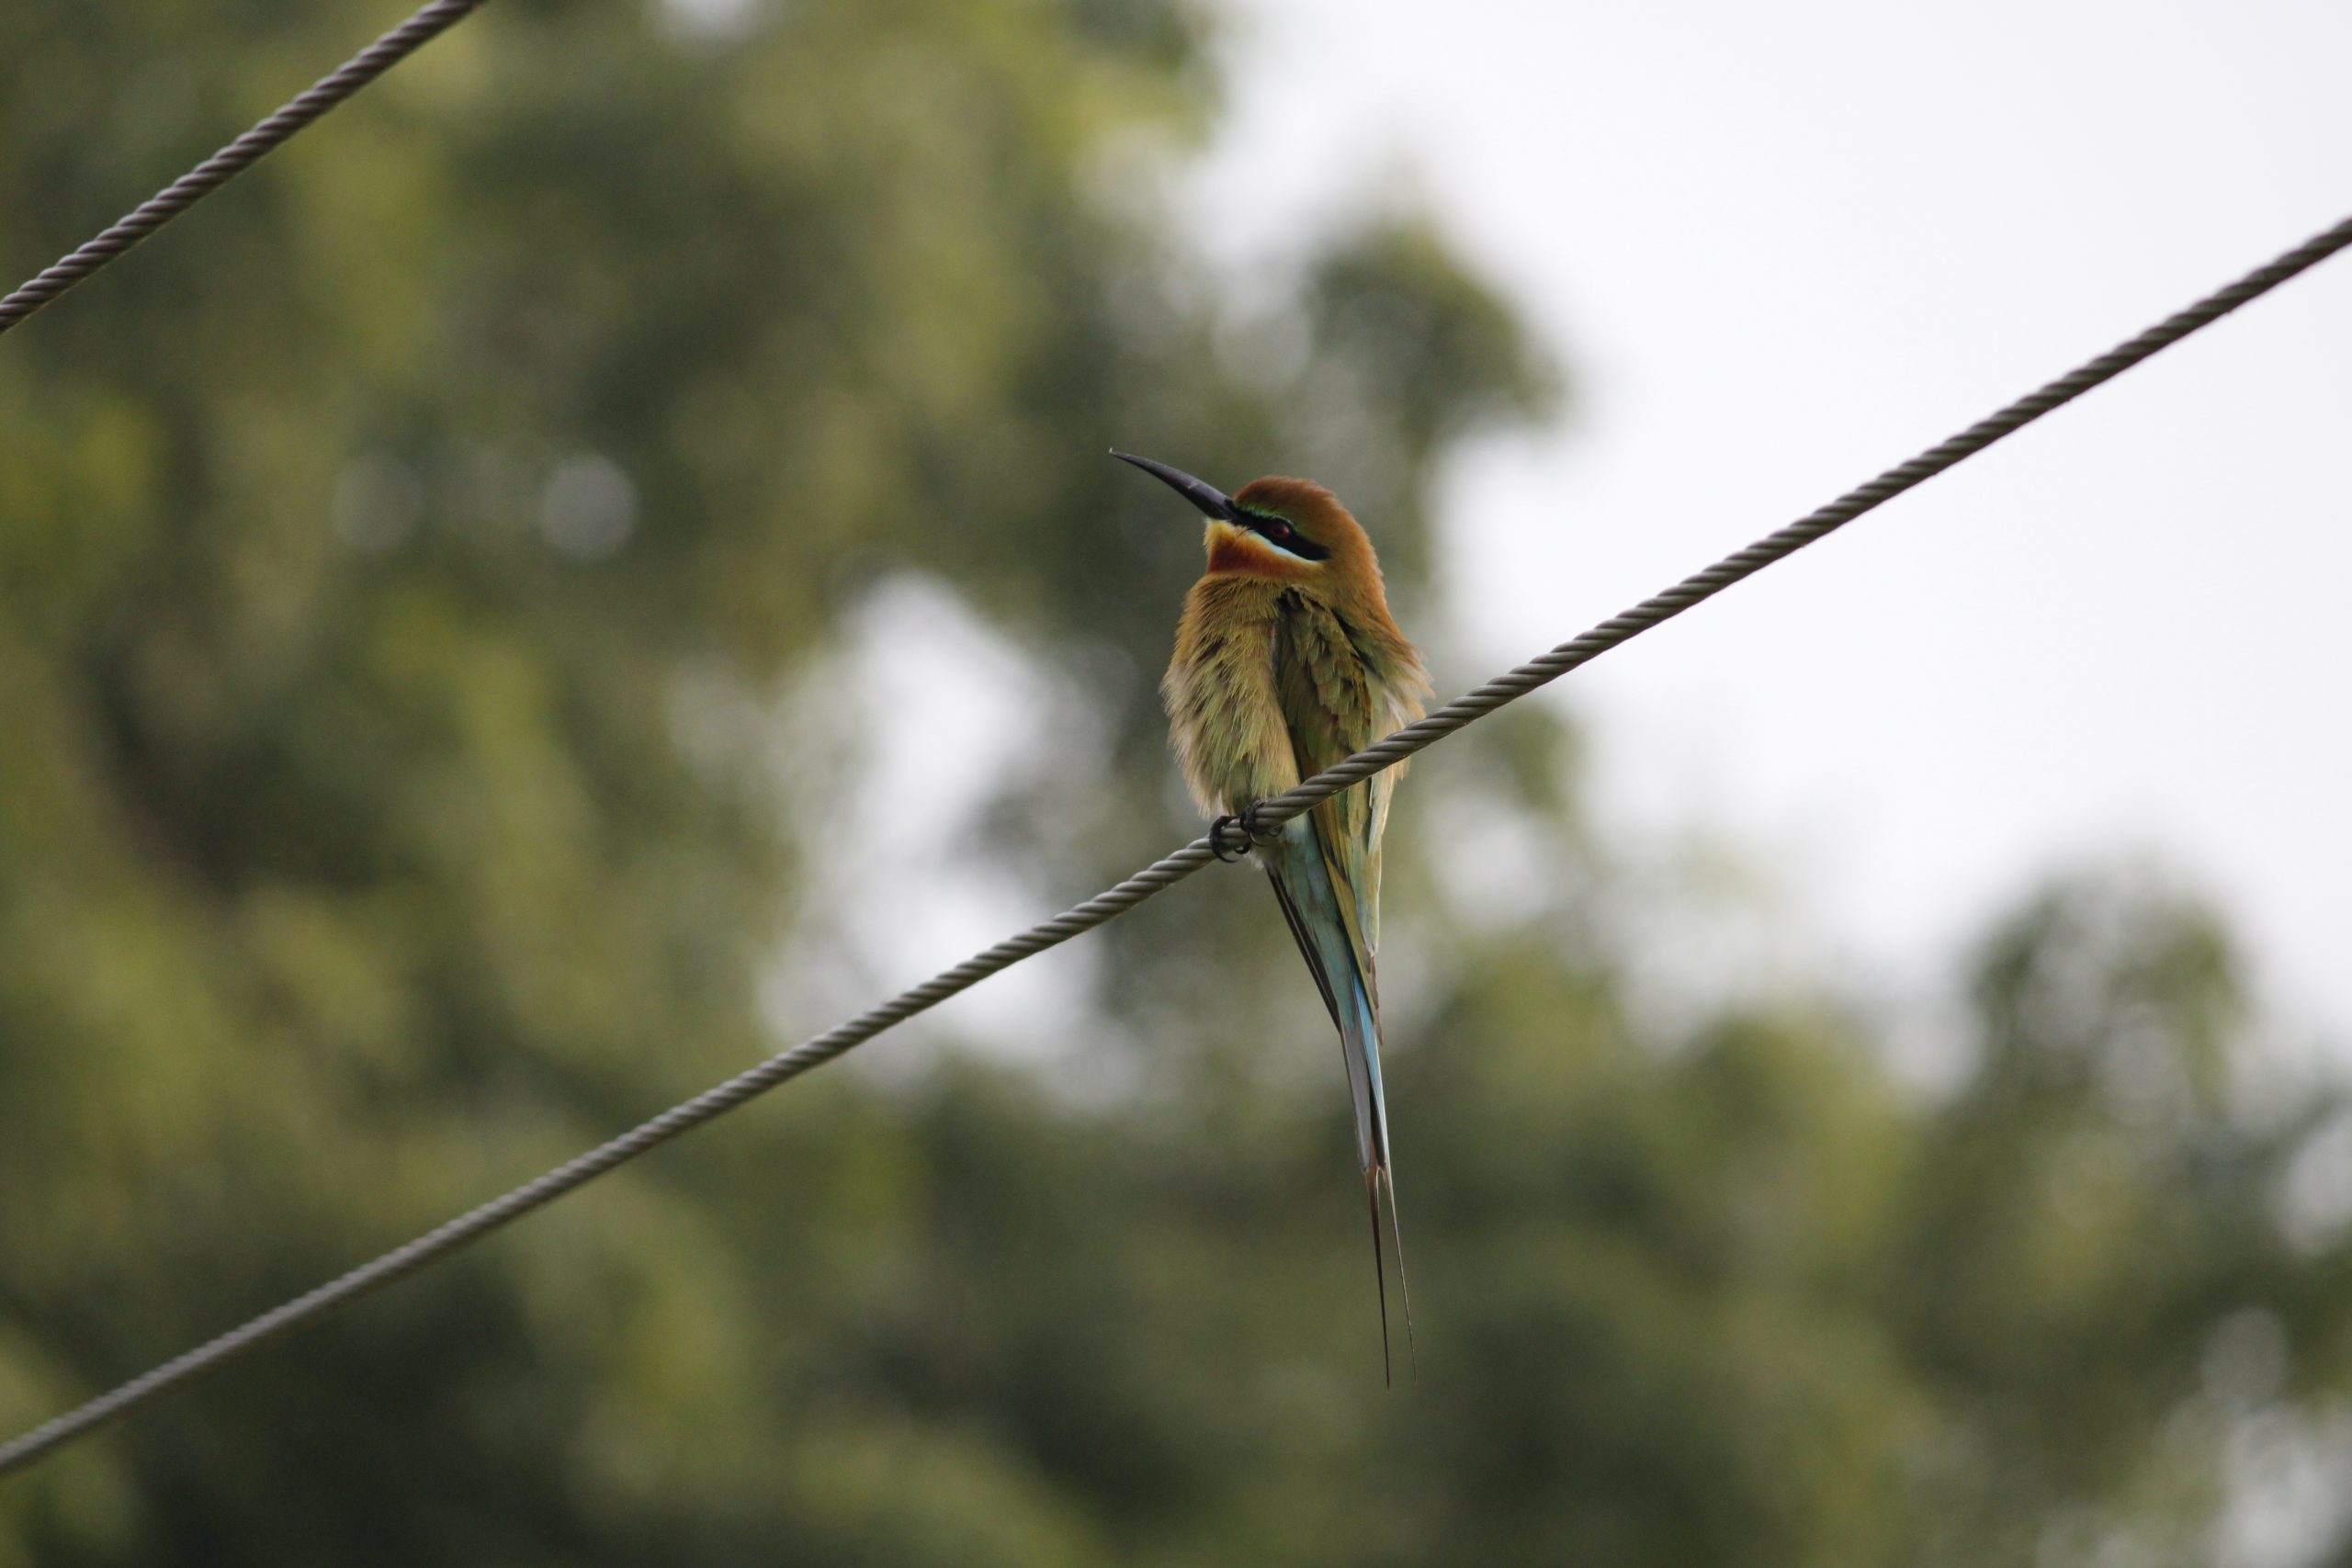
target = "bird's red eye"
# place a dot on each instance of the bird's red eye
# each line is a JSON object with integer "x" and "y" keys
{"x": 1282, "y": 532}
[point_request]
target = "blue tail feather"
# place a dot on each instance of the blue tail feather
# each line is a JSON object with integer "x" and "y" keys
{"x": 1310, "y": 902}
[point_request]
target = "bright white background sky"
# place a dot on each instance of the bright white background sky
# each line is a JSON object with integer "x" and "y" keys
{"x": 1786, "y": 246}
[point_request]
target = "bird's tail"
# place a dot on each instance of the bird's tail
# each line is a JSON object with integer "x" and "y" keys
{"x": 1360, "y": 1039}
{"x": 1342, "y": 968}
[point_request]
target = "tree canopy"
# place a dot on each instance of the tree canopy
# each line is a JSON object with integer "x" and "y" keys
{"x": 431, "y": 579}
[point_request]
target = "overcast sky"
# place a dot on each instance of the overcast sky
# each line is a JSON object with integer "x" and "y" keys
{"x": 1784, "y": 247}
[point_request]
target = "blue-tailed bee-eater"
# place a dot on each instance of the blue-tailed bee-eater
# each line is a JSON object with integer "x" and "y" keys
{"x": 1287, "y": 660}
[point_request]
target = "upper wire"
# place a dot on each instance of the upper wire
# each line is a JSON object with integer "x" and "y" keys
{"x": 1165, "y": 873}
{"x": 235, "y": 158}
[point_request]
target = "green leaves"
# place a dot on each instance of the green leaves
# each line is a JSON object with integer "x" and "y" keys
{"x": 401, "y": 564}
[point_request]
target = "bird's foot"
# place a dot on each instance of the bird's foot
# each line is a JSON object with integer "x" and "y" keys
{"x": 1232, "y": 836}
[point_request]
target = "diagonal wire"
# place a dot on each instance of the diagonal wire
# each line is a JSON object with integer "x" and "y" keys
{"x": 1742, "y": 564}
{"x": 713, "y": 1103}
{"x": 236, "y": 157}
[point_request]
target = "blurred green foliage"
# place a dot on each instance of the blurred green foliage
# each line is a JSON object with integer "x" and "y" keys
{"x": 400, "y": 561}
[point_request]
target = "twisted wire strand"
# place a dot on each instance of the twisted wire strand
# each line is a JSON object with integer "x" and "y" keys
{"x": 1273, "y": 812}
{"x": 235, "y": 158}
{"x": 712, "y": 1103}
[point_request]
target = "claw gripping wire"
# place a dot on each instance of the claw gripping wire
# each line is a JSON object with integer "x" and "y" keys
{"x": 1241, "y": 831}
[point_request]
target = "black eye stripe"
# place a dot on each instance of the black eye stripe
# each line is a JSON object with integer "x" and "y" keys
{"x": 1278, "y": 531}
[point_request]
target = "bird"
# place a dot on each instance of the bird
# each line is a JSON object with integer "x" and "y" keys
{"x": 1287, "y": 661}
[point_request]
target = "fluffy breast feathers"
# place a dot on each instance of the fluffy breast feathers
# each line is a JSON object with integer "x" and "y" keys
{"x": 1273, "y": 683}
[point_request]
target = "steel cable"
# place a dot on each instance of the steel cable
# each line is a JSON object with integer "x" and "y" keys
{"x": 235, "y": 158}
{"x": 1787, "y": 541}
{"x": 439, "y": 1243}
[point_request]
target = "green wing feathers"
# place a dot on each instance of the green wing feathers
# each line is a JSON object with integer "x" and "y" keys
{"x": 1340, "y": 692}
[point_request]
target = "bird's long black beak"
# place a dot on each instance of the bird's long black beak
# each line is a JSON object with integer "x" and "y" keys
{"x": 1212, "y": 502}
